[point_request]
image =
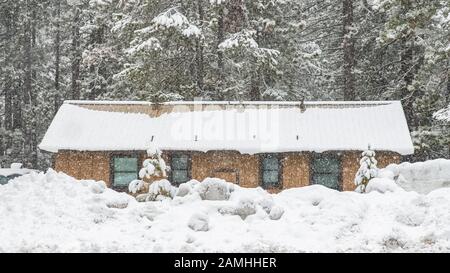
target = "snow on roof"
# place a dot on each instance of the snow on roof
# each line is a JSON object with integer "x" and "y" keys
{"x": 248, "y": 127}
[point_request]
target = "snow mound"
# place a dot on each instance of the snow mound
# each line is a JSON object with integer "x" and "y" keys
{"x": 187, "y": 188}
{"x": 245, "y": 207}
{"x": 381, "y": 185}
{"x": 214, "y": 189}
{"x": 276, "y": 212}
{"x": 199, "y": 222}
{"x": 421, "y": 177}
{"x": 52, "y": 212}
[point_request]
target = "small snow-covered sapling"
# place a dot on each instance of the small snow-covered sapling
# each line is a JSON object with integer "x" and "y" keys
{"x": 368, "y": 169}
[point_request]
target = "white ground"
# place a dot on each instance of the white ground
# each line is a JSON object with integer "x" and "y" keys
{"x": 53, "y": 212}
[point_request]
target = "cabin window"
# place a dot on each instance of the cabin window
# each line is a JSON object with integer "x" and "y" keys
{"x": 179, "y": 166}
{"x": 125, "y": 170}
{"x": 270, "y": 171}
{"x": 326, "y": 169}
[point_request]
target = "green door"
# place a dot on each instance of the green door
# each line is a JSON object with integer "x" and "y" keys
{"x": 326, "y": 171}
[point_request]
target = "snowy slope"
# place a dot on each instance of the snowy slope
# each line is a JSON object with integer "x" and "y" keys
{"x": 248, "y": 128}
{"x": 53, "y": 212}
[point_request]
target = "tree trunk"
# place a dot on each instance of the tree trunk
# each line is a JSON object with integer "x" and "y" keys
{"x": 8, "y": 15}
{"x": 56, "y": 98}
{"x": 255, "y": 94}
{"x": 28, "y": 59}
{"x": 199, "y": 48}
{"x": 349, "y": 50}
{"x": 236, "y": 18}
{"x": 447, "y": 100}
{"x": 220, "y": 64}
{"x": 407, "y": 74}
{"x": 76, "y": 55}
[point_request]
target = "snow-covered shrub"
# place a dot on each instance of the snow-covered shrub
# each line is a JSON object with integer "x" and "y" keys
{"x": 214, "y": 189}
{"x": 276, "y": 212}
{"x": 187, "y": 188}
{"x": 199, "y": 222}
{"x": 367, "y": 170}
{"x": 266, "y": 204}
{"x": 245, "y": 207}
{"x": 143, "y": 197}
{"x": 227, "y": 210}
{"x": 381, "y": 185}
{"x": 160, "y": 189}
{"x": 184, "y": 189}
{"x": 136, "y": 186}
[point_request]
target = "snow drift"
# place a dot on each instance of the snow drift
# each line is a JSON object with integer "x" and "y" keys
{"x": 422, "y": 177}
{"x": 53, "y": 212}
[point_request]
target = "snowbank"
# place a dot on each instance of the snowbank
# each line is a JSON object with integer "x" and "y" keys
{"x": 422, "y": 177}
{"x": 53, "y": 212}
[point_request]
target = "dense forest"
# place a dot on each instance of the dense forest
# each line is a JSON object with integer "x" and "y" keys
{"x": 160, "y": 50}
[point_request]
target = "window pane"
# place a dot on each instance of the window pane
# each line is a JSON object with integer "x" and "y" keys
{"x": 326, "y": 164}
{"x": 270, "y": 163}
{"x": 125, "y": 164}
{"x": 3, "y": 180}
{"x": 179, "y": 176}
{"x": 327, "y": 180}
{"x": 123, "y": 179}
{"x": 180, "y": 162}
{"x": 270, "y": 177}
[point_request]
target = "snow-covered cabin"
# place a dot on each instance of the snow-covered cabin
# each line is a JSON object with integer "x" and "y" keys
{"x": 275, "y": 145}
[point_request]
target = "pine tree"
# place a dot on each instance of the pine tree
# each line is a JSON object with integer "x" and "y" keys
{"x": 153, "y": 167}
{"x": 367, "y": 170}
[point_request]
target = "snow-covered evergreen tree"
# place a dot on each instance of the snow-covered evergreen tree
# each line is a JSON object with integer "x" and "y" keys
{"x": 152, "y": 167}
{"x": 367, "y": 170}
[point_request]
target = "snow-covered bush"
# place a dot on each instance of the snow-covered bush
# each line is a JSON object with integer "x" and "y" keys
{"x": 187, "y": 188}
{"x": 367, "y": 170}
{"x": 266, "y": 204}
{"x": 245, "y": 207}
{"x": 199, "y": 222}
{"x": 381, "y": 185}
{"x": 214, "y": 189}
{"x": 136, "y": 186}
{"x": 160, "y": 189}
{"x": 276, "y": 212}
{"x": 184, "y": 189}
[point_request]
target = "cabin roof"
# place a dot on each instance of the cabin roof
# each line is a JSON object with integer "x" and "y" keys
{"x": 247, "y": 127}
